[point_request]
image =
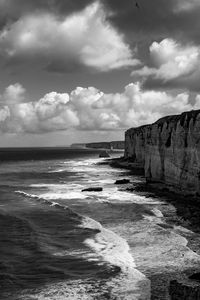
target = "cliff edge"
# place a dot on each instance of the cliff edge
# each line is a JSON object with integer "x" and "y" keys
{"x": 169, "y": 151}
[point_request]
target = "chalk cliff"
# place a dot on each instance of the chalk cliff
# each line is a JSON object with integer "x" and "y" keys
{"x": 169, "y": 151}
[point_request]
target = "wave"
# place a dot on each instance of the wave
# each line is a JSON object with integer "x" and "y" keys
{"x": 86, "y": 162}
{"x": 103, "y": 248}
{"x": 28, "y": 195}
{"x": 113, "y": 195}
{"x": 57, "y": 171}
{"x": 90, "y": 224}
{"x": 109, "y": 246}
{"x": 67, "y": 195}
{"x": 157, "y": 213}
{"x": 112, "y": 249}
{"x": 61, "y": 185}
{"x": 106, "y": 244}
{"x": 54, "y": 195}
{"x": 51, "y": 204}
{"x": 81, "y": 166}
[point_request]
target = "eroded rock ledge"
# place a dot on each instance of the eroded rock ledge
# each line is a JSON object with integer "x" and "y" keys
{"x": 169, "y": 151}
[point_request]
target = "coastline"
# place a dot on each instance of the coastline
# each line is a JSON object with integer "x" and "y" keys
{"x": 186, "y": 205}
{"x": 86, "y": 260}
{"x": 122, "y": 239}
{"x": 183, "y": 219}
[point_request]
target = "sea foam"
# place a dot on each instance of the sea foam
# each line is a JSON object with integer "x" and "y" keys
{"x": 109, "y": 246}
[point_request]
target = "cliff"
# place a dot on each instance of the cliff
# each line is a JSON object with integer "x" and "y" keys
{"x": 107, "y": 145}
{"x": 169, "y": 151}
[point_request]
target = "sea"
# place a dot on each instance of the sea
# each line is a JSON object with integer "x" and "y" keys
{"x": 58, "y": 242}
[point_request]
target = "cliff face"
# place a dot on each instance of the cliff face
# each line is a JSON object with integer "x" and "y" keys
{"x": 169, "y": 150}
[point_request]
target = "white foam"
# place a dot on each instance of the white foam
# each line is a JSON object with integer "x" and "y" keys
{"x": 60, "y": 191}
{"x": 105, "y": 181}
{"x": 58, "y": 171}
{"x": 51, "y": 185}
{"x": 157, "y": 213}
{"x": 112, "y": 249}
{"x": 87, "y": 222}
{"x": 108, "y": 245}
{"x": 54, "y": 196}
{"x": 28, "y": 195}
{"x": 157, "y": 216}
{"x": 113, "y": 195}
{"x": 60, "y": 186}
{"x": 83, "y": 169}
{"x": 85, "y": 162}
{"x": 67, "y": 195}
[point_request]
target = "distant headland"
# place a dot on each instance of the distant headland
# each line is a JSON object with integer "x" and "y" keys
{"x": 101, "y": 145}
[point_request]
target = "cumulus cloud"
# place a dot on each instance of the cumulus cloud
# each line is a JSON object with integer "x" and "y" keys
{"x": 135, "y": 107}
{"x": 50, "y": 113}
{"x": 62, "y": 43}
{"x": 170, "y": 61}
{"x": 14, "y": 94}
{"x": 88, "y": 109}
{"x": 4, "y": 113}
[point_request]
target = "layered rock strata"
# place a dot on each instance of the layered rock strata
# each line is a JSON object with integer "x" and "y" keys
{"x": 169, "y": 151}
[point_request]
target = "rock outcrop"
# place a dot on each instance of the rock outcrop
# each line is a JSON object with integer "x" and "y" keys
{"x": 169, "y": 151}
{"x": 93, "y": 189}
{"x": 184, "y": 290}
{"x": 122, "y": 181}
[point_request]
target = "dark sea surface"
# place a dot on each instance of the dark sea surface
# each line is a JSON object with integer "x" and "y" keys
{"x": 47, "y": 239}
{"x": 57, "y": 242}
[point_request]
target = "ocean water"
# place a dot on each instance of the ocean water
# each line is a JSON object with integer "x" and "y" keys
{"x": 57, "y": 242}
{"x": 51, "y": 246}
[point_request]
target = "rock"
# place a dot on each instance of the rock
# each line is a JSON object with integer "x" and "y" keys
{"x": 93, "y": 189}
{"x": 169, "y": 151}
{"x": 184, "y": 290}
{"x": 130, "y": 189}
{"x": 195, "y": 276}
{"x": 122, "y": 181}
{"x": 104, "y": 154}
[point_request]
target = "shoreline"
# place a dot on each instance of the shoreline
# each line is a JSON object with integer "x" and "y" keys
{"x": 190, "y": 203}
{"x": 185, "y": 220}
{"x": 187, "y": 206}
{"x": 141, "y": 232}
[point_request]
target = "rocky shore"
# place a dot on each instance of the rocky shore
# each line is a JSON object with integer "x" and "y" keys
{"x": 181, "y": 214}
{"x": 165, "y": 157}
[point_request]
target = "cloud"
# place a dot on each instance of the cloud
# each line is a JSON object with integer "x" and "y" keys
{"x": 50, "y": 113}
{"x": 62, "y": 43}
{"x": 156, "y": 20}
{"x": 14, "y": 94}
{"x": 135, "y": 107}
{"x": 4, "y": 114}
{"x": 185, "y": 5}
{"x": 14, "y": 9}
{"x": 171, "y": 63}
{"x": 88, "y": 109}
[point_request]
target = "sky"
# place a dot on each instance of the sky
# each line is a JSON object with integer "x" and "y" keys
{"x": 76, "y": 71}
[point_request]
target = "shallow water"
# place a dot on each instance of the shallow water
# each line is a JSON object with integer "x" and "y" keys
{"x": 58, "y": 242}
